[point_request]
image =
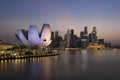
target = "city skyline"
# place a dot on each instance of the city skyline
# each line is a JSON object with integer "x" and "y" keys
{"x": 61, "y": 15}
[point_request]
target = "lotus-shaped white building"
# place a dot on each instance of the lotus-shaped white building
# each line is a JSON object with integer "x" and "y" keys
{"x": 33, "y": 37}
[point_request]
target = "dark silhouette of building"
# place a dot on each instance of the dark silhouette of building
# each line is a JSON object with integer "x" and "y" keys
{"x": 85, "y": 30}
{"x": 1, "y": 42}
{"x": 82, "y": 34}
{"x": 100, "y": 41}
{"x": 70, "y": 39}
{"x": 56, "y": 39}
{"x": 67, "y": 38}
{"x": 56, "y": 34}
{"x": 84, "y": 37}
{"x": 108, "y": 45}
{"x": 52, "y": 35}
{"x": 53, "y": 39}
{"x": 93, "y": 36}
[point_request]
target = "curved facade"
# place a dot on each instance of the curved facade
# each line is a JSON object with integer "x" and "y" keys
{"x": 33, "y": 35}
{"x": 34, "y": 38}
{"x": 22, "y": 37}
{"x": 45, "y": 35}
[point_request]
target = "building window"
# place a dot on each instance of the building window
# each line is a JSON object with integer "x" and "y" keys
{"x": 44, "y": 40}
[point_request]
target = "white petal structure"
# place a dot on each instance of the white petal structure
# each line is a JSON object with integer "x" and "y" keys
{"x": 34, "y": 38}
{"x": 22, "y": 37}
{"x": 45, "y": 35}
{"x": 33, "y": 35}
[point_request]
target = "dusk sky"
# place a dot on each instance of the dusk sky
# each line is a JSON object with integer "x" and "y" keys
{"x": 61, "y": 15}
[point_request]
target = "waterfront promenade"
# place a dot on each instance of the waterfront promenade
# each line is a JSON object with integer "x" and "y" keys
{"x": 11, "y": 55}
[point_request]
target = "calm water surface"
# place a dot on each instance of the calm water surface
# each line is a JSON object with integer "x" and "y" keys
{"x": 69, "y": 65}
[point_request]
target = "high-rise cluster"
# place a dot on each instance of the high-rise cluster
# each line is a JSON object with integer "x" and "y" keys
{"x": 71, "y": 40}
{"x": 85, "y": 39}
{"x": 56, "y": 39}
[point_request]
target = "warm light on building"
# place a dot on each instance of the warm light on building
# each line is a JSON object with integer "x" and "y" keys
{"x": 96, "y": 46}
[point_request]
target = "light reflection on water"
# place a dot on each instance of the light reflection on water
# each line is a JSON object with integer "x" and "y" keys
{"x": 70, "y": 64}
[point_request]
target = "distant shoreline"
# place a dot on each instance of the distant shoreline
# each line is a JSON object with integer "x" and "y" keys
{"x": 91, "y": 49}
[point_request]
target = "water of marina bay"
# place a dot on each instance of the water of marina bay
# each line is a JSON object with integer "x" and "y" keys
{"x": 69, "y": 65}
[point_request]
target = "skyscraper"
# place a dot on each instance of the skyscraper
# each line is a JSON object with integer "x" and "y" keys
{"x": 100, "y": 41}
{"x": 52, "y": 35}
{"x": 84, "y": 37}
{"x": 93, "y": 36}
{"x": 82, "y": 34}
{"x": 53, "y": 39}
{"x": 85, "y": 30}
{"x": 68, "y": 38}
{"x": 72, "y": 37}
{"x": 72, "y": 32}
{"x": 56, "y": 34}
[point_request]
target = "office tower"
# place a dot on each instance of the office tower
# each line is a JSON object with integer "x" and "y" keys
{"x": 100, "y": 41}
{"x": 56, "y": 34}
{"x": 57, "y": 39}
{"x": 84, "y": 37}
{"x": 52, "y": 35}
{"x": 82, "y": 34}
{"x": 90, "y": 37}
{"x": 53, "y": 39}
{"x": 94, "y": 36}
{"x": 85, "y": 30}
{"x": 72, "y": 32}
{"x": 68, "y": 38}
{"x": 72, "y": 38}
{"x": 65, "y": 39}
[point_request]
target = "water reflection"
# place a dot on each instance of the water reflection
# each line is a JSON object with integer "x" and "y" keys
{"x": 70, "y": 64}
{"x": 84, "y": 59}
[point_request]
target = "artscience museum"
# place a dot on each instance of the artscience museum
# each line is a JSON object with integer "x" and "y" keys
{"x": 33, "y": 37}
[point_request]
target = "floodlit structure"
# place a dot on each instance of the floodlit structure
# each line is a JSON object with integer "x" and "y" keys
{"x": 22, "y": 36}
{"x": 33, "y": 37}
{"x": 45, "y": 35}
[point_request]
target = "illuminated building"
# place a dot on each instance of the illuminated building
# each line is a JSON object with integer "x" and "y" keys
{"x": 33, "y": 37}
{"x": 68, "y": 38}
{"x": 94, "y": 36}
{"x": 22, "y": 36}
{"x": 71, "y": 40}
{"x": 96, "y": 46}
{"x": 84, "y": 37}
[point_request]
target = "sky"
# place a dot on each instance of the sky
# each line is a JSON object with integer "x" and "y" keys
{"x": 61, "y": 15}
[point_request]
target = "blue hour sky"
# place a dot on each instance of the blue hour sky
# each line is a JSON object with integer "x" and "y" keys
{"x": 61, "y": 15}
